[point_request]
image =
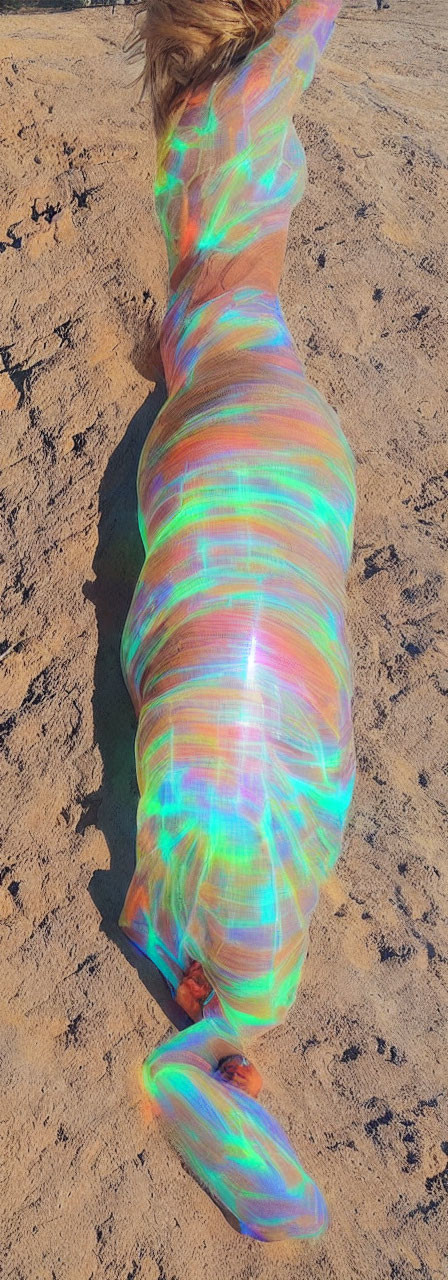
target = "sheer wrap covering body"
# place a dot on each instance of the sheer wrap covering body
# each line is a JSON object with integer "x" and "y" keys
{"x": 235, "y": 650}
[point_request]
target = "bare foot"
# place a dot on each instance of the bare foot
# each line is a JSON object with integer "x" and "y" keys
{"x": 242, "y": 1074}
{"x": 193, "y": 990}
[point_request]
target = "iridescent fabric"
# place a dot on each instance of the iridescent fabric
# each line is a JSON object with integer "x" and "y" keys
{"x": 235, "y": 650}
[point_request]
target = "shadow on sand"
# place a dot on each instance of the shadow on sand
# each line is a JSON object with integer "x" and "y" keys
{"x": 112, "y": 808}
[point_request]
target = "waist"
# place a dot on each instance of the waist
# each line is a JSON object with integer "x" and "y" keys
{"x": 183, "y": 308}
{"x": 239, "y": 323}
{"x": 209, "y": 274}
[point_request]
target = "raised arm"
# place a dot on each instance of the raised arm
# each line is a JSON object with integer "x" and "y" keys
{"x": 299, "y": 39}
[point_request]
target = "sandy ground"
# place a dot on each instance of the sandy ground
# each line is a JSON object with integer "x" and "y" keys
{"x": 91, "y": 1190}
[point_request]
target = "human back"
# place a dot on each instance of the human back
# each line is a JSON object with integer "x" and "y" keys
{"x": 234, "y": 649}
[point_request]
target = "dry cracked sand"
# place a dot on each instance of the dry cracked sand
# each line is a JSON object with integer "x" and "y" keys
{"x": 90, "y": 1189}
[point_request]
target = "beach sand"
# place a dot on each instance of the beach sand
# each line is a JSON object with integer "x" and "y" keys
{"x": 91, "y": 1188}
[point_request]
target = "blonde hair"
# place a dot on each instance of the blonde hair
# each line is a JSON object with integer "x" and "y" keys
{"x": 187, "y": 43}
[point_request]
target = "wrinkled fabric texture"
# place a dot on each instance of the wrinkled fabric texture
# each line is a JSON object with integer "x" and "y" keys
{"x": 235, "y": 649}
